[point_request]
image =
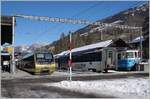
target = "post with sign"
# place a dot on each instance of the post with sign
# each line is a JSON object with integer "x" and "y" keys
{"x": 70, "y": 57}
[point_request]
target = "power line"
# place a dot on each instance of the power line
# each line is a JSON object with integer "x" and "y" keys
{"x": 75, "y": 15}
{"x": 87, "y": 21}
{"x": 85, "y": 10}
{"x": 101, "y": 29}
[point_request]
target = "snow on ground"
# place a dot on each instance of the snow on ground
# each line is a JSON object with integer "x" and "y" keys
{"x": 132, "y": 87}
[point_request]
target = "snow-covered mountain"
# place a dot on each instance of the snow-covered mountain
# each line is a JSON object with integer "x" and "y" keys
{"x": 28, "y": 48}
{"x": 134, "y": 17}
{"x": 21, "y": 48}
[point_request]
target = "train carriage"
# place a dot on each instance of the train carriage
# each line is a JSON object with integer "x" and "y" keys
{"x": 37, "y": 62}
{"x": 97, "y": 59}
{"x": 128, "y": 59}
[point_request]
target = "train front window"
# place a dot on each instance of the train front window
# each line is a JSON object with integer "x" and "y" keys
{"x": 48, "y": 56}
{"x": 40, "y": 56}
{"x": 129, "y": 55}
{"x": 44, "y": 58}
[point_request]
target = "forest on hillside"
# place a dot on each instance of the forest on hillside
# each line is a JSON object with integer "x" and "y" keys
{"x": 137, "y": 16}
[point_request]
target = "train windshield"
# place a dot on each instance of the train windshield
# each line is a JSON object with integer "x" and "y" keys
{"x": 43, "y": 58}
{"x": 48, "y": 56}
{"x": 129, "y": 55}
{"x": 40, "y": 56}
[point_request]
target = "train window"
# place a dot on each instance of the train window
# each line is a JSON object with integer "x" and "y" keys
{"x": 40, "y": 55}
{"x": 129, "y": 55}
{"x": 136, "y": 55}
{"x": 110, "y": 54}
{"x": 87, "y": 57}
{"x": 123, "y": 55}
{"x": 119, "y": 55}
{"x": 139, "y": 54}
{"x": 48, "y": 56}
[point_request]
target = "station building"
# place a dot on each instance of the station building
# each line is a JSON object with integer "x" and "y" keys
{"x": 6, "y": 42}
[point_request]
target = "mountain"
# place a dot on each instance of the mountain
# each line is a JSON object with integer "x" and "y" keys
{"x": 131, "y": 17}
{"x": 93, "y": 33}
{"x": 21, "y": 48}
{"x": 25, "y": 49}
{"x": 36, "y": 45}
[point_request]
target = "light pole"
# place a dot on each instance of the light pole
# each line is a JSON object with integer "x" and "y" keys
{"x": 13, "y": 41}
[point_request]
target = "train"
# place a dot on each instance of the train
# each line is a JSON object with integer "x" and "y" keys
{"x": 102, "y": 60}
{"x": 37, "y": 62}
{"x": 97, "y": 60}
{"x": 128, "y": 59}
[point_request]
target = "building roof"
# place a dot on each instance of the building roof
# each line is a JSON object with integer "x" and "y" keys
{"x": 6, "y": 20}
{"x": 137, "y": 39}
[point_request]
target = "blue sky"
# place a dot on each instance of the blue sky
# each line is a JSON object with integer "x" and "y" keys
{"x": 30, "y": 31}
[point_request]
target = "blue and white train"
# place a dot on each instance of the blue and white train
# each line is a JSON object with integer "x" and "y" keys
{"x": 103, "y": 60}
{"x": 128, "y": 59}
{"x": 100, "y": 57}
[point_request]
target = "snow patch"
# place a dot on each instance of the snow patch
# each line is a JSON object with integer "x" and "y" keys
{"x": 135, "y": 87}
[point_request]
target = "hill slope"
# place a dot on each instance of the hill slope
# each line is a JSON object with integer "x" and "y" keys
{"x": 89, "y": 34}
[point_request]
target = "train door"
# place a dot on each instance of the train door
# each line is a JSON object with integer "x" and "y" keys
{"x": 110, "y": 59}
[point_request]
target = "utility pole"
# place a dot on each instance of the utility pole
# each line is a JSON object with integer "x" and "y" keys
{"x": 70, "y": 56}
{"x": 101, "y": 35}
{"x": 13, "y": 46}
{"x": 141, "y": 45}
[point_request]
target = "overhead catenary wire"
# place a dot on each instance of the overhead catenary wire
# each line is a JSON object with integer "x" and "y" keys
{"x": 73, "y": 21}
{"x": 75, "y": 15}
{"x": 101, "y": 28}
{"x": 87, "y": 9}
{"x": 101, "y": 24}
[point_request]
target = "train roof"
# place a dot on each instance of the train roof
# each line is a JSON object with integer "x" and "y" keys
{"x": 118, "y": 43}
{"x": 28, "y": 55}
{"x": 88, "y": 47}
{"x": 36, "y": 51}
{"x": 132, "y": 50}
